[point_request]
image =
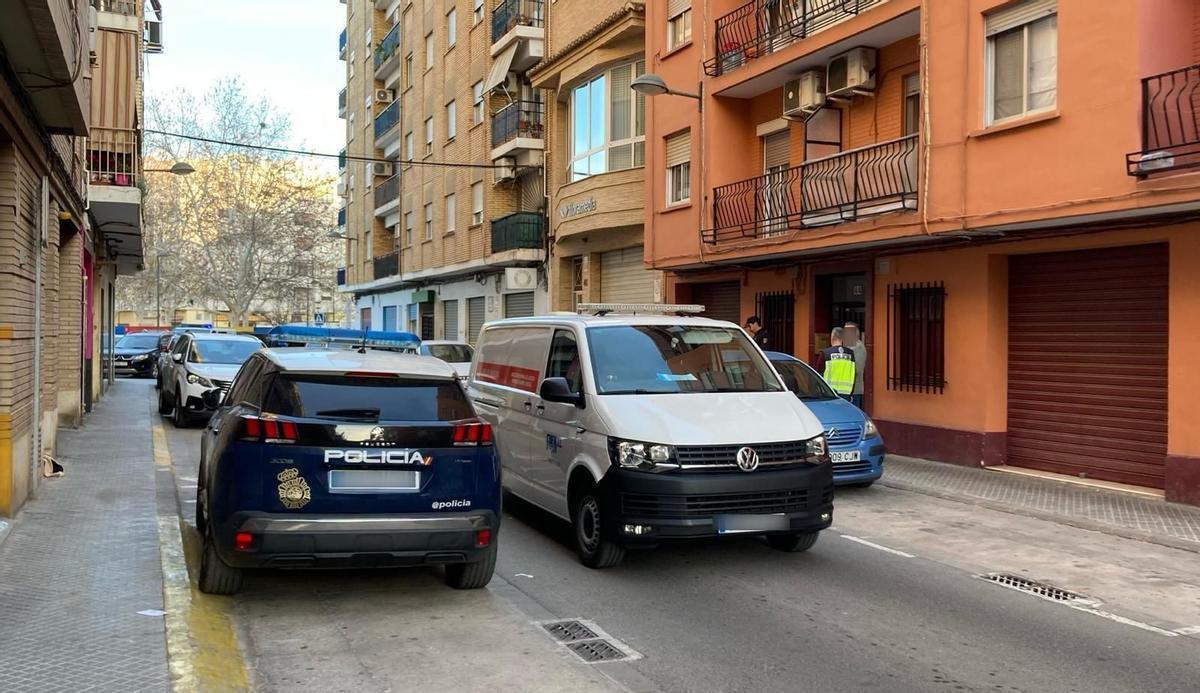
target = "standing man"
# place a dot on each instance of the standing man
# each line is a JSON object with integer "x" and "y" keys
{"x": 836, "y": 365}
{"x": 757, "y": 332}
{"x": 853, "y": 339}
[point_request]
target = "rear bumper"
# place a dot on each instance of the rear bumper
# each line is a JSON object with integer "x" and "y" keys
{"x": 329, "y": 541}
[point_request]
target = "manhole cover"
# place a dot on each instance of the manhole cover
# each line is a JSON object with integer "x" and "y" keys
{"x": 596, "y": 651}
{"x": 1034, "y": 587}
{"x": 569, "y": 631}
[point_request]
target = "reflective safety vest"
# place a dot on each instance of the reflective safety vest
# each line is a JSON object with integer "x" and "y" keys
{"x": 839, "y": 373}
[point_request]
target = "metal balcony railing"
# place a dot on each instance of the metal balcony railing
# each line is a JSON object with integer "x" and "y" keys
{"x": 876, "y": 179}
{"x": 1170, "y": 124}
{"x": 114, "y": 156}
{"x": 388, "y": 46}
{"x": 386, "y": 265}
{"x": 761, "y": 27}
{"x": 342, "y": 216}
{"x": 387, "y": 119}
{"x": 341, "y": 276}
{"x": 512, "y": 13}
{"x": 342, "y": 45}
{"x": 387, "y": 191}
{"x": 518, "y": 119}
{"x": 519, "y": 230}
{"x": 126, "y": 7}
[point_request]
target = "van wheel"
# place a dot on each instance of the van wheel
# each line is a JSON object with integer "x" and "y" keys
{"x": 164, "y": 404}
{"x": 596, "y": 548}
{"x": 217, "y": 577}
{"x": 792, "y": 543}
{"x": 472, "y": 576}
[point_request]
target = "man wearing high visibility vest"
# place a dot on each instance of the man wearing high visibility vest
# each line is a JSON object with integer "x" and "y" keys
{"x": 836, "y": 365}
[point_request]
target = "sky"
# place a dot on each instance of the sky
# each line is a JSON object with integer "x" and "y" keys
{"x": 284, "y": 49}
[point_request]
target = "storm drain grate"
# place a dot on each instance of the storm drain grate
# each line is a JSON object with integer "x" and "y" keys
{"x": 596, "y": 651}
{"x": 588, "y": 642}
{"x": 1034, "y": 587}
{"x": 569, "y": 631}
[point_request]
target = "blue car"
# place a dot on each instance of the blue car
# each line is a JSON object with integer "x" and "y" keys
{"x": 855, "y": 446}
{"x": 326, "y": 457}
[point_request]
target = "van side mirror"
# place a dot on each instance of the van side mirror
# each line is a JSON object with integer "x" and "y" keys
{"x": 177, "y": 358}
{"x": 213, "y": 398}
{"x": 559, "y": 390}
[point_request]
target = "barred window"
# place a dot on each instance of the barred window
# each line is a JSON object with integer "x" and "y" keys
{"x": 916, "y": 351}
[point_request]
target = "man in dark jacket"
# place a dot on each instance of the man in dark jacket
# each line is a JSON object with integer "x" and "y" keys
{"x": 757, "y": 332}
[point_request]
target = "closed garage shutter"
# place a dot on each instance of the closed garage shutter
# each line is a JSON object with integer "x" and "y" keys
{"x": 518, "y": 305}
{"x": 450, "y": 319}
{"x": 721, "y": 300}
{"x": 1087, "y": 363}
{"x": 475, "y": 313}
{"x": 623, "y": 278}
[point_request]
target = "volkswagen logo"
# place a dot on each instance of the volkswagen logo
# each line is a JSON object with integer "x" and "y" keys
{"x": 747, "y": 459}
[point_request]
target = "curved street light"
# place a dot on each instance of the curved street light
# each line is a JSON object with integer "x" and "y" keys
{"x": 651, "y": 84}
{"x": 179, "y": 168}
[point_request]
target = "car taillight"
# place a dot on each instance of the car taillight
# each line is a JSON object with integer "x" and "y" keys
{"x": 258, "y": 429}
{"x": 474, "y": 433}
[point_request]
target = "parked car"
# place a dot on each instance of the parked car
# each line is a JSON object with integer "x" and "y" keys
{"x": 135, "y": 354}
{"x": 200, "y": 362}
{"x": 855, "y": 446}
{"x": 457, "y": 354}
{"x": 162, "y": 364}
{"x": 643, "y": 428}
{"x": 324, "y": 457}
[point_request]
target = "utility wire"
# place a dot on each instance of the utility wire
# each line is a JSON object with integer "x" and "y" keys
{"x": 347, "y": 157}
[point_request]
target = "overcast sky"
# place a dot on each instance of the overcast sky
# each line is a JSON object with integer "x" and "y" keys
{"x": 285, "y": 49}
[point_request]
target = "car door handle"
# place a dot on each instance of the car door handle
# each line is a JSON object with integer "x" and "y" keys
{"x": 528, "y": 406}
{"x": 541, "y": 409}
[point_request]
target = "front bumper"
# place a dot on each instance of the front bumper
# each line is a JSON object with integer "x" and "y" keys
{"x": 332, "y": 541}
{"x": 142, "y": 367}
{"x": 868, "y": 468}
{"x": 707, "y": 504}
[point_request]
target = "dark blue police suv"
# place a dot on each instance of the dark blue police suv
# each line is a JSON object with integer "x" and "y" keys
{"x": 332, "y": 457}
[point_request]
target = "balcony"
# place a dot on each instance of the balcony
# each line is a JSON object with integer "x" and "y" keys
{"x": 518, "y": 133}
{"x": 850, "y": 185}
{"x": 341, "y": 276}
{"x": 1170, "y": 124}
{"x": 386, "y": 265}
{"x": 47, "y": 42}
{"x": 342, "y": 160}
{"x": 341, "y": 217}
{"x": 387, "y": 196}
{"x": 385, "y": 125}
{"x": 342, "y": 103}
{"x": 114, "y": 162}
{"x": 762, "y": 27}
{"x": 117, "y": 15}
{"x": 125, "y": 7}
{"x": 517, "y": 231}
{"x": 518, "y": 36}
{"x": 387, "y": 53}
{"x": 342, "y": 45}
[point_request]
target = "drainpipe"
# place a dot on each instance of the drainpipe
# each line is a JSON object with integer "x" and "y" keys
{"x": 39, "y": 245}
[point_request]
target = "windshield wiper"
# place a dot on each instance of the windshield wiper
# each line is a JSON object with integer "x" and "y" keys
{"x": 642, "y": 391}
{"x": 365, "y": 414}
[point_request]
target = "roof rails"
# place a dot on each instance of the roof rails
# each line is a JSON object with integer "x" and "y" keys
{"x": 635, "y": 308}
{"x": 296, "y": 335}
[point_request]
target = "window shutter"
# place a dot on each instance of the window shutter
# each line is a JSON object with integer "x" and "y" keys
{"x": 674, "y": 7}
{"x": 679, "y": 148}
{"x": 775, "y": 150}
{"x": 1016, "y": 15}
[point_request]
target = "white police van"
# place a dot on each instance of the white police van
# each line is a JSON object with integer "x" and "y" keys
{"x": 638, "y": 423}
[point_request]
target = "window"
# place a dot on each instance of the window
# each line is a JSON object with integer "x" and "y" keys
{"x": 564, "y": 360}
{"x": 408, "y": 228}
{"x": 367, "y": 39}
{"x": 477, "y": 103}
{"x": 408, "y": 72}
{"x": 429, "y": 221}
{"x": 390, "y": 314}
{"x": 350, "y": 63}
{"x": 350, "y": 126}
{"x": 679, "y": 22}
{"x": 451, "y": 28}
{"x": 368, "y": 172}
{"x": 608, "y": 128}
{"x": 476, "y": 203}
{"x": 408, "y": 146}
{"x": 477, "y": 13}
{"x": 679, "y": 167}
{"x": 428, "y": 136}
{"x": 428, "y": 51}
{"x": 912, "y": 103}
{"x": 1022, "y": 60}
{"x": 388, "y": 399}
{"x": 451, "y": 120}
{"x": 451, "y": 212}
{"x": 916, "y": 348}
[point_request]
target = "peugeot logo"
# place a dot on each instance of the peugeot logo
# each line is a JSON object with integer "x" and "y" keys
{"x": 747, "y": 459}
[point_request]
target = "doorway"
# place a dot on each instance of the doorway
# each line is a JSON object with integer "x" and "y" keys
{"x": 839, "y": 298}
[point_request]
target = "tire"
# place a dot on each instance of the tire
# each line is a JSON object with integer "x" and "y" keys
{"x": 164, "y": 404}
{"x": 201, "y": 510}
{"x": 180, "y": 418}
{"x": 596, "y": 548}
{"x": 472, "y": 576}
{"x": 217, "y": 577}
{"x": 792, "y": 543}
{"x": 157, "y": 377}
{"x": 863, "y": 484}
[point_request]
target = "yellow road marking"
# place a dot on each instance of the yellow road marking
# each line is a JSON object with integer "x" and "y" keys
{"x": 202, "y": 648}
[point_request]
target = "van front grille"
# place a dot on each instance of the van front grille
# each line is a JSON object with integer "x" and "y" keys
{"x": 789, "y": 501}
{"x": 771, "y": 454}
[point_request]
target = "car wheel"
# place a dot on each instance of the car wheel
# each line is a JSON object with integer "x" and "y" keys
{"x": 201, "y": 507}
{"x": 472, "y": 576}
{"x": 181, "y": 419}
{"x": 216, "y": 576}
{"x": 863, "y": 484}
{"x": 792, "y": 543}
{"x": 157, "y": 377}
{"x": 596, "y": 548}
{"x": 164, "y": 402}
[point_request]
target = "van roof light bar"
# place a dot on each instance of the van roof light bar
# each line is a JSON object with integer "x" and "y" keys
{"x": 635, "y": 308}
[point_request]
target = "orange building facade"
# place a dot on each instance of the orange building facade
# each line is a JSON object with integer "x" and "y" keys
{"x": 1003, "y": 194}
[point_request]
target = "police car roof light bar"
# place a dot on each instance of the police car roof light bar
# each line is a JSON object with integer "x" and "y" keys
{"x": 298, "y": 335}
{"x": 635, "y": 308}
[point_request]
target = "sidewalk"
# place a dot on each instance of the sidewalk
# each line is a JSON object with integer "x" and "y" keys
{"x": 1169, "y": 524}
{"x": 82, "y": 559}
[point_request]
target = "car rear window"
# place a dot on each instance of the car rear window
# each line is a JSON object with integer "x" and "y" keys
{"x": 367, "y": 398}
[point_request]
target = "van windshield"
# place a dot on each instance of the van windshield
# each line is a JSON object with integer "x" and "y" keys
{"x": 665, "y": 359}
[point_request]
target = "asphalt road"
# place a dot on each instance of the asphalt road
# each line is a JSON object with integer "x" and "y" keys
{"x": 720, "y": 615}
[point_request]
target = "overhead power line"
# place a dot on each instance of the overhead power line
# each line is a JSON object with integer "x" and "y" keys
{"x": 325, "y": 155}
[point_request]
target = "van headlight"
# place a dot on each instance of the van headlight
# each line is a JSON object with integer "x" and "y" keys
{"x": 199, "y": 380}
{"x": 637, "y": 455}
{"x": 869, "y": 430}
{"x": 816, "y": 447}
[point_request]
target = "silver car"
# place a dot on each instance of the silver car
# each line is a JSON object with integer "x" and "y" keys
{"x": 198, "y": 363}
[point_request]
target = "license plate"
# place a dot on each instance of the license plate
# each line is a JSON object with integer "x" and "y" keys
{"x": 120, "y": 364}
{"x": 847, "y": 456}
{"x": 736, "y": 524}
{"x": 373, "y": 480}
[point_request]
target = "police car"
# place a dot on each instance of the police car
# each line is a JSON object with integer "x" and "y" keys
{"x": 346, "y": 457}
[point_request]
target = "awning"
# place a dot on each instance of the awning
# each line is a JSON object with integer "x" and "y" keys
{"x": 500, "y": 67}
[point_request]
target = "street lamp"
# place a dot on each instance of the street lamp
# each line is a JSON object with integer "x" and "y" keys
{"x": 651, "y": 84}
{"x": 179, "y": 168}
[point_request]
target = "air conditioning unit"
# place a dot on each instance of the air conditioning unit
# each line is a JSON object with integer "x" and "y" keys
{"x": 505, "y": 169}
{"x": 384, "y": 96}
{"x": 520, "y": 278}
{"x": 342, "y": 189}
{"x": 383, "y": 169}
{"x": 850, "y": 73}
{"x": 153, "y": 36}
{"x": 804, "y": 95}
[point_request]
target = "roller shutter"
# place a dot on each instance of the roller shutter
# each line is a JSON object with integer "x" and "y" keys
{"x": 475, "y": 317}
{"x": 450, "y": 319}
{"x": 519, "y": 305}
{"x": 1087, "y": 363}
{"x": 623, "y": 277}
{"x": 721, "y": 300}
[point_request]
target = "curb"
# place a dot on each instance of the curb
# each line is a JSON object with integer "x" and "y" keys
{"x": 6, "y": 528}
{"x": 1138, "y": 535}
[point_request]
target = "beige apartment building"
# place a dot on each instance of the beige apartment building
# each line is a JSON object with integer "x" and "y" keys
{"x": 442, "y": 177}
